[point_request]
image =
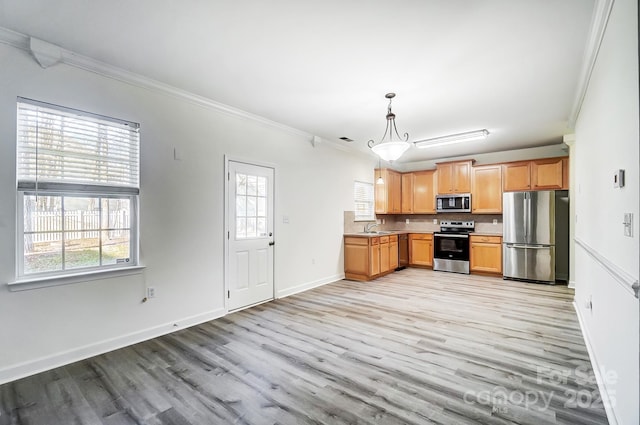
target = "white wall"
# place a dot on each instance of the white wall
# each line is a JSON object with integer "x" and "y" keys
{"x": 607, "y": 139}
{"x": 181, "y": 214}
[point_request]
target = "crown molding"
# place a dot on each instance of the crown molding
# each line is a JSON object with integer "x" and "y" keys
{"x": 14, "y": 39}
{"x": 68, "y": 57}
{"x": 599, "y": 20}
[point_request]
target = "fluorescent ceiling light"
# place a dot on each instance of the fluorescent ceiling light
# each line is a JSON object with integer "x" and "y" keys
{"x": 453, "y": 138}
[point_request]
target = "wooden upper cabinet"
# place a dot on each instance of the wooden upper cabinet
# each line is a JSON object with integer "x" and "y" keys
{"x": 454, "y": 177}
{"x": 424, "y": 192}
{"x": 388, "y": 195}
{"x": 539, "y": 174}
{"x": 396, "y": 192}
{"x": 486, "y": 189}
{"x": 548, "y": 174}
{"x": 516, "y": 176}
{"x": 407, "y": 193}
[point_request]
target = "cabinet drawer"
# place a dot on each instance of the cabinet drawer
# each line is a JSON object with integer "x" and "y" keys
{"x": 421, "y": 236}
{"x": 353, "y": 240}
{"x": 486, "y": 239}
{"x": 384, "y": 239}
{"x": 393, "y": 238}
{"x": 374, "y": 241}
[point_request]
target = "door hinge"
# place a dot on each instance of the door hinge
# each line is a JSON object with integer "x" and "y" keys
{"x": 229, "y": 176}
{"x": 228, "y": 234}
{"x": 228, "y": 294}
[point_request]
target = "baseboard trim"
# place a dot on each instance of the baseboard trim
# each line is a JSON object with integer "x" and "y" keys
{"x": 309, "y": 285}
{"x": 572, "y": 284}
{"x": 22, "y": 370}
{"x": 604, "y": 394}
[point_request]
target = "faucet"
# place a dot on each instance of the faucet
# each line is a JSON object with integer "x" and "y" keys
{"x": 370, "y": 226}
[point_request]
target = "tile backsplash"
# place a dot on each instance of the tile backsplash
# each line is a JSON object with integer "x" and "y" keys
{"x": 424, "y": 222}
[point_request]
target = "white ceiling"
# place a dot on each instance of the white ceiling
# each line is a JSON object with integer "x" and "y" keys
{"x": 324, "y": 66}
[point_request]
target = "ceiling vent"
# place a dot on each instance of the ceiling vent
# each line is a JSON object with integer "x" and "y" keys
{"x": 346, "y": 139}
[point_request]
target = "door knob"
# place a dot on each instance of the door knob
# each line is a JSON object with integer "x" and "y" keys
{"x": 272, "y": 243}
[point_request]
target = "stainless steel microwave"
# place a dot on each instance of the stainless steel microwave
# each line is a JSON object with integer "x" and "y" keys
{"x": 460, "y": 202}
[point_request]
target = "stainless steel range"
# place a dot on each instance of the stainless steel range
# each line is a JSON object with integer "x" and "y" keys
{"x": 451, "y": 246}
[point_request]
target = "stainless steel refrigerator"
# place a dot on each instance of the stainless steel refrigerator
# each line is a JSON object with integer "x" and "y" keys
{"x": 535, "y": 236}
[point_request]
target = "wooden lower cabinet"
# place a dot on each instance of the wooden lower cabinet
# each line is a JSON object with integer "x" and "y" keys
{"x": 384, "y": 254}
{"x": 421, "y": 249}
{"x": 486, "y": 254}
{"x": 368, "y": 257}
{"x": 394, "y": 255}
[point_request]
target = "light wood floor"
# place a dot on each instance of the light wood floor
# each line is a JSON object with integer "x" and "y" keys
{"x": 414, "y": 347}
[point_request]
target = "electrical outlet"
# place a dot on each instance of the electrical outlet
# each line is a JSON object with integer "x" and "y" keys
{"x": 435, "y": 221}
{"x": 407, "y": 221}
{"x": 495, "y": 221}
{"x": 588, "y": 304}
{"x": 151, "y": 292}
{"x": 313, "y": 261}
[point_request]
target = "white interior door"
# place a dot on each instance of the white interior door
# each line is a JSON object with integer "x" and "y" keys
{"x": 250, "y": 238}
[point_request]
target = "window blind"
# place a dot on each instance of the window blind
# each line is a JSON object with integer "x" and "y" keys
{"x": 69, "y": 150}
{"x": 363, "y": 198}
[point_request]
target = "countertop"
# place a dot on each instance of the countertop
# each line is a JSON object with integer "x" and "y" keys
{"x": 386, "y": 233}
{"x": 404, "y": 232}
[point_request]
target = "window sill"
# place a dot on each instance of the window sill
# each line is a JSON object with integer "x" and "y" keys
{"x": 66, "y": 279}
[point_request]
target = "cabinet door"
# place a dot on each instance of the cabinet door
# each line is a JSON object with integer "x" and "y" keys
{"x": 486, "y": 189}
{"x": 547, "y": 174}
{"x": 424, "y": 197}
{"x": 380, "y": 191}
{"x": 395, "y": 192}
{"x": 461, "y": 177}
{"x": 486, "y": 254}
{"x": 393, "y": 255}
{"x": 445, "y": 183}
{"x": 356, "y": 259}
{"x": 407, "y": 193}
{"x": 374, "y": 257}
{"x": 516, "y": 176}
{"x": 420, "y": 251}
{"x": 384, "y": 254}
{"x": 389, "y": 194}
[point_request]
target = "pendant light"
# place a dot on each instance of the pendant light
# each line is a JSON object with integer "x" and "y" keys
{"x": 390, "y": 149}
{"x": 379, "y": 180}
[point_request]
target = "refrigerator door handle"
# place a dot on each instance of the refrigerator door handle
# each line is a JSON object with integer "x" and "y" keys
{"x": 525, "y": 207}
{"x": 527, "y": 246}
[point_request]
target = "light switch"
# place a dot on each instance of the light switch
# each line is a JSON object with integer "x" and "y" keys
{"x": 618, "y": 178}
{"x": 628, "y": 224}
{"x": 285, "y": 219}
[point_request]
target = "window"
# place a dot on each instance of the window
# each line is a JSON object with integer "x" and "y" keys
{"x": 363, "y": 201}
{"x": 78, "y": 185}
{"x": 251, "y": 206}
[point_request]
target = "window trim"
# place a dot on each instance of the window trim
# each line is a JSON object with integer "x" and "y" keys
{"x": 36, "y": 282}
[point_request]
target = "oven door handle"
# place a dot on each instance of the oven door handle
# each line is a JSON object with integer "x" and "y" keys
{"x": 443, "y": 235}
